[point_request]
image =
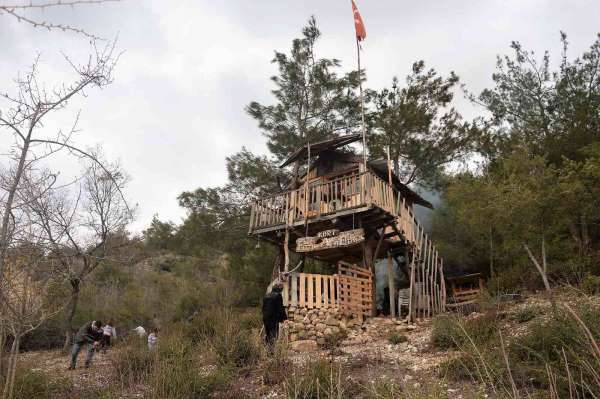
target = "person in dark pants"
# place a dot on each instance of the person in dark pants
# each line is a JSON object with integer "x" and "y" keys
{"x": 90, "y": 335}
{"x": 273, "y": 313}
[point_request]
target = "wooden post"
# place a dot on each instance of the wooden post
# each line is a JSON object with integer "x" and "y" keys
{"x": 391, "y": 283}
{"x": 443, "y": 282}
{"x": 286, "y": 249}
{"x": 368, "y": 254}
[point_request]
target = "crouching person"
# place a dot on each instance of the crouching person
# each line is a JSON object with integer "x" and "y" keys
{"x": 89, "y": 335}
{"x": 273, "y": 313}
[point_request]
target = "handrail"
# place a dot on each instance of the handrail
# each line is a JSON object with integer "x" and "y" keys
{"x": 344, "y": 192}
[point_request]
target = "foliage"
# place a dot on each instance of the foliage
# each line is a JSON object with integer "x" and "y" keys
{"x": 318, "y": 379}
{"x": 418, "y": 124}
{"x": 591, "y": 285}
{"x": 452, "y": 331}
{"x": 170, "y": 371}
{"x": 396, "y": 338}
{"x": 553, "y": 352}
{"x": 526, "y": 314}
{"x": 36, "y": 384}
{"x": 312, "y": 102}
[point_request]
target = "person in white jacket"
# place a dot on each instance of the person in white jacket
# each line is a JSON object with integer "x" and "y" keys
{"x": 108, "y": 332}
{"x": 153, "y": 339}
{"x": 140, "y": 331}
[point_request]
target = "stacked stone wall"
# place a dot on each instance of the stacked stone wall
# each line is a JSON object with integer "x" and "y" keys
{"x": 305, "y": 325}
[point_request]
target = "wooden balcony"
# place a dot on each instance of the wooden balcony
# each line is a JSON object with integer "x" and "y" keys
{"x": 344, "y": 197}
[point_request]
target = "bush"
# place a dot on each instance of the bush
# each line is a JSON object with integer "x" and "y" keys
{"x": 397, "y": 338}
{"x": 590, "y": 284}
{"x": 236, "y": 348}
{"x": 133, "y": 362}
{"x": 450, "y": 331}
{"x": 36, "y": 384}
{"x": 318, "y": 380}
{"x": 550, "y": 342}
{"x": 526, "y": 314}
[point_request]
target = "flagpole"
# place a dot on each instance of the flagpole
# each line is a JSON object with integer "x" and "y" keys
{"x": 362, "y": 106}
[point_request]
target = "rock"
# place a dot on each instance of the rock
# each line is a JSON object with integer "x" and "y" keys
{"x": 331, "y": 321}
{"x": 328, "y": 331}
{"x": 293, "y": 337}
{"x": 321, "y": 341}
{"x": 321, "y": 326}
{"x": 306, "y": 320}
{"x": 305, "y": 345}
{"x": 303, "y": 311}
{"x": 302, "y": 335}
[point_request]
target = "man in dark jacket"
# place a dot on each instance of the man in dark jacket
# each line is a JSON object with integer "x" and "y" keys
{"x": 273, "y": 313}
{"x": 89, "y": 334}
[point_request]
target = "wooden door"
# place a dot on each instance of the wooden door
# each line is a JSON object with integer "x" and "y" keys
{"x": 355, "y": 290}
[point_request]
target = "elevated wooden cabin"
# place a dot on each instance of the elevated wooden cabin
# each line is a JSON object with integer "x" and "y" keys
{"x": 344, "y": 212}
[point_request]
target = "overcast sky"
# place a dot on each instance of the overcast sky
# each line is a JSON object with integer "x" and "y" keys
{"x": 176, "y": 108}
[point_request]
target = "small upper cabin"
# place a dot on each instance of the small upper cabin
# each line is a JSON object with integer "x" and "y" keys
{"x": 335, "y": 191}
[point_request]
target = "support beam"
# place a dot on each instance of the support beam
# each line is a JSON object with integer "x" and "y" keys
{"x": 391, "y": 285}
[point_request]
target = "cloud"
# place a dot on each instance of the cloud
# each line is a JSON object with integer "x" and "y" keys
{"x": 176, "y": 109}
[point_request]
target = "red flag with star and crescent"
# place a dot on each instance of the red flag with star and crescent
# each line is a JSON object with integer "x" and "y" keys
{"x": 361, "y": 32}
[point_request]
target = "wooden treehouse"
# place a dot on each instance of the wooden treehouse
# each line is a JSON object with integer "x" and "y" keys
{"x": 343, "y": 212}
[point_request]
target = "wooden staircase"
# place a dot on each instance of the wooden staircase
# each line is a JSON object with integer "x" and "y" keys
{"x": 427, "y": 292}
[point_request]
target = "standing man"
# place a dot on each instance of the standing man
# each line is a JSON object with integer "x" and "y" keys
{"x": 273, "y": 313}
{"x": 90, "y": 335}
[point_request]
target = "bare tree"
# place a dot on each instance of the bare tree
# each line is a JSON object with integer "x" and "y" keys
{"x": 84, "y": 227}
{"x": 22, "y": 12}
{"x": 23, "y": 114}
{"x": 24, "y": 303}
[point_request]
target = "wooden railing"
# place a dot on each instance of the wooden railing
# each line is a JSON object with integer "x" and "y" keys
{"x": 314, "y": 200}
{"x": 427, "y": 284}
{"x": 311, "y": 290}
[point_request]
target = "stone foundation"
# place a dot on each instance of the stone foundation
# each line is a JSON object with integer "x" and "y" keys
{"x": 305, "y": 325}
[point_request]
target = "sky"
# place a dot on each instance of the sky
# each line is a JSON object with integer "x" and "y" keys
{"x": 188, "y": 68}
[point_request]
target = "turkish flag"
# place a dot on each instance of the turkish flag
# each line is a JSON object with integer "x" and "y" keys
{"x": 361, "y": 32}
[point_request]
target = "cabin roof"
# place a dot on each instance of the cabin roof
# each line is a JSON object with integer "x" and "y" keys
{"x": 316, "y": 148}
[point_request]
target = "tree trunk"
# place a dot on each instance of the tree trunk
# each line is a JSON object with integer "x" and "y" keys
{"x": 8, "y": 205}
{"x": 491, "y": 253}
{"x": 11, "y": 371}
{"x": 580, "y": 235}
{"x": 2, "y": 343}
{"x": 75, "y": 285}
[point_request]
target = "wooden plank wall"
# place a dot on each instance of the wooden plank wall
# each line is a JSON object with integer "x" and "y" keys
{"x": 355, "y": 290}
{"x": 311, "y": 290}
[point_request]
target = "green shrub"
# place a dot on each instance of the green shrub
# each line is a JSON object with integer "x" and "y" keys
{"x": 396, "y": 338}
{"x": 277, "y": 366}
{"x": 236, "y": 348}
{"x": 133, "y": 362}
{"x": 549, "y": 342}
{"x": 590, "y": 284}
{"x": 318, "y": 380}
{"x": 36, "y": 384}
{"x": 451, "y": 331}
{"x": 526, "y": 314}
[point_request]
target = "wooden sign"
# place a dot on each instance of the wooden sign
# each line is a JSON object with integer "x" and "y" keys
{"x": 330, "y": 240}
{"x": 328, "y": 233}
